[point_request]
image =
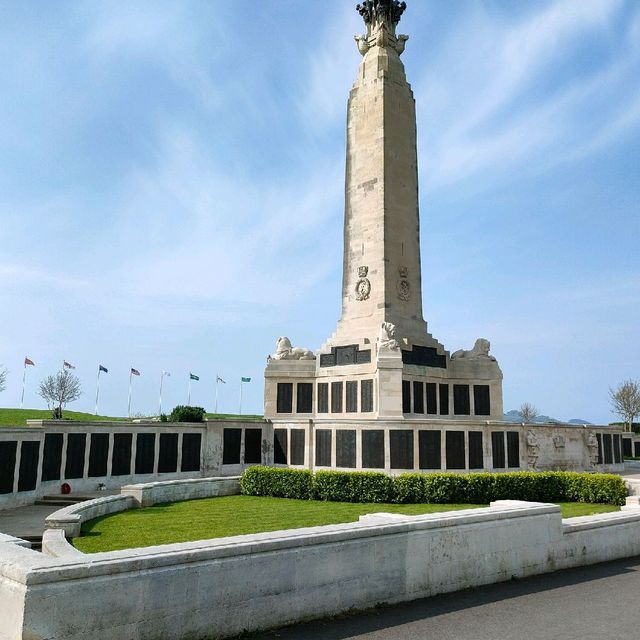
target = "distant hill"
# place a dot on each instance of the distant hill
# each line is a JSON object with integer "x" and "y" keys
{"x": 514, "y": 416}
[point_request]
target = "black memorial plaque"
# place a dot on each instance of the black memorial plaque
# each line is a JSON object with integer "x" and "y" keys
{"x": 352, "y": 396}
{"x": 513, "y": 449}
{"x": 98, "y": 455}
{"x": 304, "y": 401}
{"x": 373, "y": 449}
{"x": 346, "y": 448}
{"x": 345, "y": 356}
{"x": 231, "y": 446}
{"x": 121, "y": 458}
{"x": 366, "y": 396}
{"x": 406, "y": 396}
{"x": 461, "y": 404}
{"x": 168, "y": 454}
{"x": 401, "y": 448}
{"x": 323, "y": 448}
{"x": 145, "y": 452}
{"x": 284, "y": 399}
{"x": 617, "y": 453}
{"x": 280, "y": 442}
{"x": 627, "y": 450}
{"x": 191, "y": 448}
{"x": 432, "y": 398}
{"x": 8, "y": 453}
{"x": 608, "y": 448}
{"x": 425, "y": 357}
{"x": 323, "y": 397}
{"x": 336, "y": 397}
{"x": 76, "y": 448}
{"x": 497, "y": 449}
{"x": 430, "y": 449}
{"x": 482, "y": 399}
{"x": 418, "y": 397}
{"x": 443, "y": 391}
{"x": 297, "y": 446}
{"x": 455, "y": 449}
{"x": 600, "y": 456}
{"x": 636, "y": 450}
{"x": 28, "y": 472}
{"x": 476, "y": 454}
{"x": 253, "y": 446}
{"x": 52, "y": 456}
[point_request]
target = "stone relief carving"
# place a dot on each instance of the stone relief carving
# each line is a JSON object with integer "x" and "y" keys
{"x": 381, "y": 18}
{"x": 363, "y": 286}
{"x": 480, "y": 350}
{"x": 592, "y": 445}
{"x": 284, "y": 351}
{"x": 533, "y": 449}
{"x": 403, "y": 272}
{"x": 558, "y": 441}
{"x": 404, "y": 290}
{"x": 387, "y": 339}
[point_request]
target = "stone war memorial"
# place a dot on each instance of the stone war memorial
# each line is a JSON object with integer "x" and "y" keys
{"x": 382, "y": 392}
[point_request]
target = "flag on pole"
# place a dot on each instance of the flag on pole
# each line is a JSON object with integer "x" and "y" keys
{"x": 134, "y": 372}
{"x": 192, "y": 376}
{"x": 29, "y": 362}
{"x": 103, "y": 368}
{"x": 166, "y": 373}
{"x": 245, "y": 379}
{"x": 67, "y": 365}
{"x": 219, "y": 379}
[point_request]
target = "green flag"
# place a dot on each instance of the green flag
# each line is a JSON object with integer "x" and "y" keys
{"x": 192, "y": 376}
{"x": 245, "y": 379}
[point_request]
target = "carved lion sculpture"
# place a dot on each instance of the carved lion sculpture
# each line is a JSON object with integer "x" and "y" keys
{"x": 284, "y": 351}
{"x": 480, "y": 350}
{"x": 387, "y": 338}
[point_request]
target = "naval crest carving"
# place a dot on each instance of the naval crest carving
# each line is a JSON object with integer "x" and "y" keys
{"x": 404, "y": 290}
{"x": 363, "y": 286}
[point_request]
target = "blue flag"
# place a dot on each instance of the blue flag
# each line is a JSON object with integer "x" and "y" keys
{"x": 101, "y": 368}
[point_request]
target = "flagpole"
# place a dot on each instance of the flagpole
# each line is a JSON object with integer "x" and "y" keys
{"x": 160, "y": 400}
{"x": 240, "y": 396}
{"x": 189, "y": 393}
{"x": 97, "y": 389}
{"x": 215, "y": 410}
{"x": 24, "y": 380}
{"x": 129, "y": 408}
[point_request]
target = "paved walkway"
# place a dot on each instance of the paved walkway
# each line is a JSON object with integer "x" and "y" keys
{"x": 599, "y": 602}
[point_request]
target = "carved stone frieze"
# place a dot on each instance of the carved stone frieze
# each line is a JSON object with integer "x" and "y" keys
{"x": 404, "y": 290}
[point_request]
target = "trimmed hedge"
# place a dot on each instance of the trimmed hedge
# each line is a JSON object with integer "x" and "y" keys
{"x": 443, "y": 488}
{"x": 182, "y": 413}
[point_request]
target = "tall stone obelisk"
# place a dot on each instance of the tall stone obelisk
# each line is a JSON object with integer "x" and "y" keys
{"x": 381, "y": 269}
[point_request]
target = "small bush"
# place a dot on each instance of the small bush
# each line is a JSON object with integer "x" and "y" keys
{"x": 277, "y": 483}
{"x": 345, "y": 486}
{"x": 182, "y": 413}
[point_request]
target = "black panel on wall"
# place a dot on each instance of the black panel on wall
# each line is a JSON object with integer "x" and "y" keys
{"x": 513, "y": 449}
{"x": 98, "y": 455}
{"x": 76, "y": 447}
{"x": 418, "y": 397}
{"x": 373, "y": 449}
{"x": 8, "y": 452}
{"x": 121, "y": 458}
{"x": 29, "y": 458}
{"x": 297, "y": 446}
{"x": 323, "y": 448}
{"x": 352, "y": 396}
{"x": 406, "y": 396}
{"x": 461, "y": 405}
{"x": 346, "y": 448}
{"x": 145, "y": 452}
{"x": 444, "y": 399}
{"x": 636, "y": 449}
{"x": 455, "y": 449}
{"x": 476, "y": 455}
{"x": 52, "y": 456}
{"x": 323, "y": 397}
{"x": 626, "y": 447}
{"x": 599, "y": 438}
{"x": 432, "y": 395}
{"x": 284, "y": 398}
{"x": 617, "y": 454}
{"x": 608, "y": 448}
{"x": 191, "y": 446}
{"x": 430, "y": 449}
{"x": 497, "y": 449}
{"x": 366, "y": 396}
{"x": 168, "y": 454}
{"x": 336, "y": 397}
{"x": 253, "y": 446}
{"x": 231, "y": 446}
{"x": 304, "y": 402}
{"x": 401, "y": 448}
{"x": 280, "y": 441}
{"x": 482, "y": 399}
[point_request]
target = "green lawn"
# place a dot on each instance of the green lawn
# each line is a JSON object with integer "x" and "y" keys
{"x": 237, "y": 515}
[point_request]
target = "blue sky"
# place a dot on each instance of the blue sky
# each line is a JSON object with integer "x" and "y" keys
{"x": 171, "y": 190}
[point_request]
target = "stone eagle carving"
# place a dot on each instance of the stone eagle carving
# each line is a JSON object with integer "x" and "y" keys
{"x": 480, "y": 350}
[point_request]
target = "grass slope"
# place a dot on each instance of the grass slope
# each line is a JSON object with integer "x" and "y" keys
{"x": 237, "y": 515}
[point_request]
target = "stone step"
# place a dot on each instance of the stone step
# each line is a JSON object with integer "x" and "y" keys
{"x": 59, "y": 502}
{"x": 36, "y": 542}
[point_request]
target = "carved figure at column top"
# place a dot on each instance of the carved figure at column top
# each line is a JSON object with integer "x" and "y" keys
{"x": 387, "y": 338}
{"x": 480, "y": 350}
{"x": 381, "y": 18}
{"x": 284, "y": 351}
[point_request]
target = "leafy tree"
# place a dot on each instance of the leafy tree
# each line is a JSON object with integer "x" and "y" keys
{"x": 183, "y": 413}
{"x": 528, "y": 412}
{"x": 3, "y": 378}
{"x": 60, "y": 389}
{"x": 625, "y": 401}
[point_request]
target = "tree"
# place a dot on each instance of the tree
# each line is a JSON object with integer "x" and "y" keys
{"x": 625, "y": 401}
{"x": 60, "y": 389}
{"x": 528, "y": 412}
{"x": 3, "y": 378}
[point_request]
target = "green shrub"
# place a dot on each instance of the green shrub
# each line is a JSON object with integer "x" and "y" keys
{"x": 347, "y": 486}
{"x": 277, "y": 483}
{"x": 182, "y": 413}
